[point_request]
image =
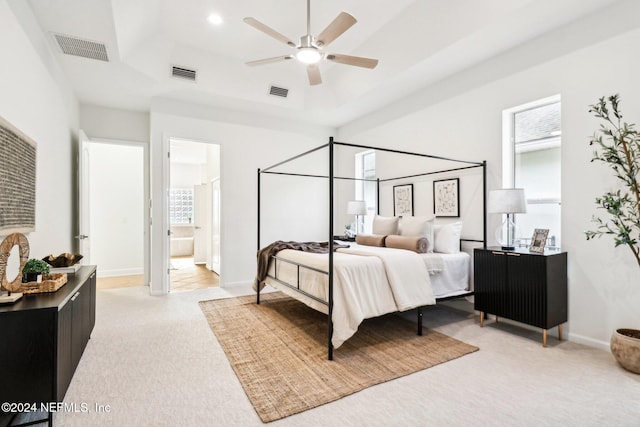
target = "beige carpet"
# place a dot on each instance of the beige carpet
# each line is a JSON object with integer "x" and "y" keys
{"x": 278, "y": 351}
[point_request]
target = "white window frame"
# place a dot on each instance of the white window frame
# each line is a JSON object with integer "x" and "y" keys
{"x": 359, "y": 186}
{"x": 509, "y": 149}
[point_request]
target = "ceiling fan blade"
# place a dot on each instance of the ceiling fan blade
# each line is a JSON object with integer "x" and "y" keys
{"x": 269, "y": 60}
{"x": 342, "y": 23}
{"x": 269, "y": 31}
{"x": 313, "y": 71}
{"x": 358, "y": 61}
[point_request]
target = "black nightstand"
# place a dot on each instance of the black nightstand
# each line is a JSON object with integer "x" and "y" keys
{"x": 344, "y": 239}
{"x": 523, "y": 286}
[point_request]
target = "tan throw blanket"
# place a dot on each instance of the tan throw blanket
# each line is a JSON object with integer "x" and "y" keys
{"x": 264, "y": 255}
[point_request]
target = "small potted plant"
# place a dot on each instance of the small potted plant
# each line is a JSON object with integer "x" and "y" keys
{"x": 33, "y": 270}
{"x": 617, "y": 144}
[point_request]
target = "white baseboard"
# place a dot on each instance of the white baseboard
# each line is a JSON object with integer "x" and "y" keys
{"x": 119, "y": 272}
{"x": 581, "y": 339}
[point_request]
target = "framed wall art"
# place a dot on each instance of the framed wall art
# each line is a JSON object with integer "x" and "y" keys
{"x": 446, "y": 197}
{"x": 17, "y": 180}
{"x": 539, "y": 240}
{"x": 403, "y": 200}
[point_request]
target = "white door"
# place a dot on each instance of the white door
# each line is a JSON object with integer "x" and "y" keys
{"x": 206, "y": 224}
{"x": 200, "y": 221}
{"x": 215, "y": 225}
{"x": 84, "y": 245}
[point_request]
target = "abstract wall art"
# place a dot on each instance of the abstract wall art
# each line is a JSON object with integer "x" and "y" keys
{"x": 17, "y": 180}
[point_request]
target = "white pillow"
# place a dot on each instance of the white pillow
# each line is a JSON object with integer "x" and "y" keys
{"x": 418, "y": 226}
{"x": 385, "y": 225}
{"x": 447, "y": 238}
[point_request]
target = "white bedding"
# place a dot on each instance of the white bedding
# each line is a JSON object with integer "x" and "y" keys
{"x": 406, "y": 272}
{"x": 370, "y": 282}
{"x": 455, "y": 276}
{"x": 450, "y": 273}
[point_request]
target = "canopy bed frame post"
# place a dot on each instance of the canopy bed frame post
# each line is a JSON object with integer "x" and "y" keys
{"x": 378, "y": 196}
{"x": 259, "y": 247}
{"x": 330, "y": 306}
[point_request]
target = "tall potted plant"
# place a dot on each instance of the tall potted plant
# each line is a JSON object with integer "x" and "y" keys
{"x": 617, "y": 144}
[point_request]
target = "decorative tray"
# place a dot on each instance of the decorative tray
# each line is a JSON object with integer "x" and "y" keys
{"x": 50, "y": 283}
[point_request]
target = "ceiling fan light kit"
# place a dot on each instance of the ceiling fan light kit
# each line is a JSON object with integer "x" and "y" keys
{"x": 308, "y": 55}
{"x": 309, "y": 50}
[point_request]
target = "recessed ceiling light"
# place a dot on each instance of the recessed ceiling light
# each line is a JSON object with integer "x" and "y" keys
{"x": 215, "y": 19}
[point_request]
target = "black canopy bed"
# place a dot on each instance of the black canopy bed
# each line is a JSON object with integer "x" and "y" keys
{"x": 394, "y": 279}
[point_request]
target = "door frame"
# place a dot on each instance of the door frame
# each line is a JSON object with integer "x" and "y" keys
{"x": 165, "y": 279}
{"x": 145, "y": 199}
{"x": 83, "y": 196}
{"x": 199, "y": 226}
{"x": 216, "y": 267}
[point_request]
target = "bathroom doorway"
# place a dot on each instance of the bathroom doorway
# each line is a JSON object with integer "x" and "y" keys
{"x": 194, "y": 212}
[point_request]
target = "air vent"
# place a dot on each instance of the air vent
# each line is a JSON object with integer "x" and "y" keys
{"x": 80, "y": 47}
{"x": 278, "y": 91}
{"x": 183, "y": 73}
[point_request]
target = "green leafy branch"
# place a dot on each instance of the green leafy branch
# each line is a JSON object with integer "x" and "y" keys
{"x": 617, "y": 144}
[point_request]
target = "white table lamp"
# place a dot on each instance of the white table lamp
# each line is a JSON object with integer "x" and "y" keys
{"x": 507, "y": 201}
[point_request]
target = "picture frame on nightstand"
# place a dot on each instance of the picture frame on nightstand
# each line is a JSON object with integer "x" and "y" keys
{"x": 538, "y": 240}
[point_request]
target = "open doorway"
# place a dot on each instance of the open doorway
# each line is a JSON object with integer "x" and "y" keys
{"x": 112, "y": 204}
{"x": 194, "y": 215}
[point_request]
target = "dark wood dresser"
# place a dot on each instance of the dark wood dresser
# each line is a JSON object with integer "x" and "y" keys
{"x": 42, "y": 338}
{"x": 527, "y": 287}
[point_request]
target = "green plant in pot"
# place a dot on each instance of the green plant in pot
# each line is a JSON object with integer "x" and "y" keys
{"x": 617, "y": 144}
{"x": 34, "y": 268}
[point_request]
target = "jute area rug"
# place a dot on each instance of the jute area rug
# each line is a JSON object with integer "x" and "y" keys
{"x": 279, "y": 353}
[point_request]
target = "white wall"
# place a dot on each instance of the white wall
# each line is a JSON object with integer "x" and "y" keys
{"x": 116, "y": 186}
{"x": 110, "y": 123}
{"x": 247, "y": 142}
{"x": 461, "y": 117}
{"x": 186, "y": 175}
{"x": 37, "y": 100}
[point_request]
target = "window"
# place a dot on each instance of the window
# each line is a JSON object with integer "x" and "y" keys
{"x": 533, "y": 162}
{"x": 366, "y": 190}
{"x": 180, "y": 205}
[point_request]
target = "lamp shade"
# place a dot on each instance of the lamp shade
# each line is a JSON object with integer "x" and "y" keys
{"x": 507, "y": 201}
{"x": 357, "y": 207}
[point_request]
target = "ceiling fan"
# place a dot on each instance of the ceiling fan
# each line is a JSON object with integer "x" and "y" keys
{"x": 310, "y": 49}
